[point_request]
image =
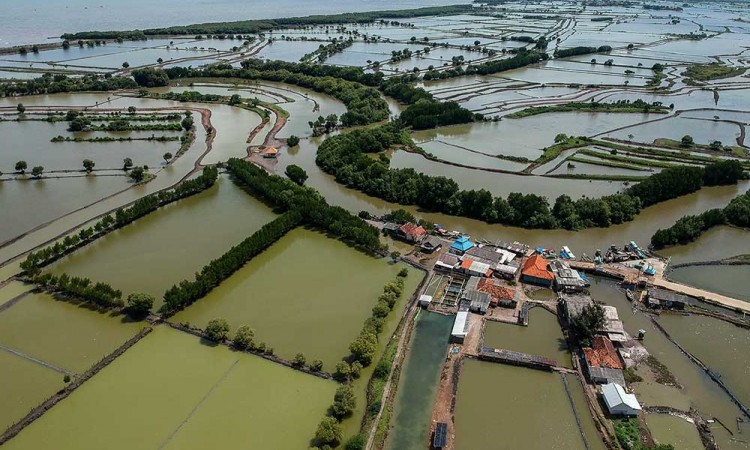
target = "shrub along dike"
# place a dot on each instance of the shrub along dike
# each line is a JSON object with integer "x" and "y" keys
{"x": 123, "y": 216}
{"x": 346, "y": 158}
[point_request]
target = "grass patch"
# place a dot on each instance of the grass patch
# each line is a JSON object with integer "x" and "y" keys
{"x": 638, "y": 106}
{"x": 554, "y": 151}
{"x": 586, "y": 176}
{"x": 605, "y": 163}
{"x": 631, "y": 376}
{"x": 713, "y": 71}
{"x": 663, "y": 375}
{"x": 625, "y": 159}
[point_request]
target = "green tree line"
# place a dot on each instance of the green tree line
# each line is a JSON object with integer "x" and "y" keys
{"x": 100, "y": 294}
{"x": 285, "y": 195}
{"x": 257, "y": 26}
{"x": 346, "y": 157}
{"x": 123, "y": 216}
{"x": 522, "y": 58}
{"x": 186, "y": 292}
{"x": 688, "y": 228}
{"x": 51, "y": 84}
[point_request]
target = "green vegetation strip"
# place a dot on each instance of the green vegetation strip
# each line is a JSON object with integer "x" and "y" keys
{"x": 620, "y": 106}
{"x": 617, "y": 165}
{"x": 256, "y": 26}
{"x": 689, "y": 228}
{"x": 363, "y": 350}
{"x": 101, "y": 294}
{"x": 713, "y": 71}
{"x": 625, "y": 159}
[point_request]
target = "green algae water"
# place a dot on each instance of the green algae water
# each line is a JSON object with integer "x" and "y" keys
{"x": 172, "y": 243}
{"x": 172, "y": 391}
{"x": 68, "y": 336}
{"x": 543, "y": 337}
{"x": 503, "y": 407}
{"x": 419, "y": 381}
{"x": 306, "y": 293}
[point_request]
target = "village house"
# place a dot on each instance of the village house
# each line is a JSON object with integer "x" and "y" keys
{"x": 566, "y": 279}
{"x": 602, "y": 363}
{"x": 407, "y": 232}
{"x": 475, "y": 268}
{"x": 664, "y": 299}
{"x": 461, "y": 245}
{"x": 431, "y": 244}
{"x": 619, "y": 402}
{"x": 270, "y": 152}
{"x": 515, "y": 247}
{"x": 447, "y": 261}
{"x": 573, "y": 304}
{"x": 500, "y": 295}
{"x": 460, "y": 327}
{"x": 535, "y": 272}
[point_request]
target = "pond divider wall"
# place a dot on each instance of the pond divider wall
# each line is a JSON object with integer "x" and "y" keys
{"x": 63, "y": 393}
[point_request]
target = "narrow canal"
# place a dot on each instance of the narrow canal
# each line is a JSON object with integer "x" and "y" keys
{"x": 419, "y": 381}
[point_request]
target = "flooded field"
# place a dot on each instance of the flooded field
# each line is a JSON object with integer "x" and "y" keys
{"x": 196, "y": 395}
{"x": 674, "y": 430}
{"x": 524, "y": 408}
{"x": 52, "y": 198}
{"x": 720, "y": 345}
{"x": 65, "y": 335}
{"x": 25, "y": 385}
{"x": 296, "y": 289}
{"x": 721, "y": 279}
{"x": 543, "y": 337}
{"x": 410, "y": 424}
{"x": 172, "y": 243}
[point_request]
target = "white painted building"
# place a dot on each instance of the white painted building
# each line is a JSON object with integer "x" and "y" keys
{"x": 460, "y": 327}
{"x": 619, "y": 402}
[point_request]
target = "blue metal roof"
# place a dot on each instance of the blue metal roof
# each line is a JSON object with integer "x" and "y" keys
{"x": 462, "y": 243}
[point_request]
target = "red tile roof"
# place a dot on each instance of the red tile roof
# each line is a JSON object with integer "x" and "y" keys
{"x": 496, "y": 292}
{"x": 536, "y": 267}
{"x": 412, "y": 230}
{"x": 602, "y": 354}
{"x": 466, "y": 263}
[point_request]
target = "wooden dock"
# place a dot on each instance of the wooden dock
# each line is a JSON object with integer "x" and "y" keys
{"x": 706, "y": 296}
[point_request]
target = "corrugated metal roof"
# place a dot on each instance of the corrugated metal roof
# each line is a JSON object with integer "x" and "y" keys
{"x": 615, "y": 395}
{"x": 460, "y": 324}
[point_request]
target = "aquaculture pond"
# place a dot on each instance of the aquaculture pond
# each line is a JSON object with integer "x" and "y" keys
{"x": 172, "y": 243}
{"x": 501, "y": 407}
{"x": 715, "y": 244}
{"x": 36, "y": 202}
{"x": 668, "y": 429}
{"x": 722, "y": 279}
{"x": 722, "y": 346}
{"x": 543, "y": 337}
{"x": 307, "y": 293}
{"x": 180, "y": 393}
{"x": 30, "y": 141}
{"x": 696, "y": 389}
{"x": 410, "y": 423}
{"x": 25, "y": 385}
{"x": 65, "y": 335}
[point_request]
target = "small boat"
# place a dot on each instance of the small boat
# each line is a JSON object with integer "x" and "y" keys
{"x": 565, "y": 253}
{"x": 571, "y": 165}
{"x": 629, "y": 294}
{"x": 650, "y": 270}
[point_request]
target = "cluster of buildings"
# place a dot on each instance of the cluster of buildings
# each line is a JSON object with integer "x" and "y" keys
{"x": 554, "y": 274}
{"x": 501, "y": 260}
{"x": 612, "y": 350}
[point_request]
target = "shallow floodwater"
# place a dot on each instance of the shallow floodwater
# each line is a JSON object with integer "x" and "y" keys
{"x": 720, "y": 345}
{"x": 36, "y": 202}
{"x": 172, "y": 243}
{"x": 674, "y": 430}
{"x": 543, "y": 337}
{"x": 307, "y": 293}
{"x": 715, "y": 244}
{"x": 722, "y": 279}
{"x": 410, "y": 426}
{"x": 179, "y": 393}
{"x": 501, "y": 407}
{"x": 25, "y": 385}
